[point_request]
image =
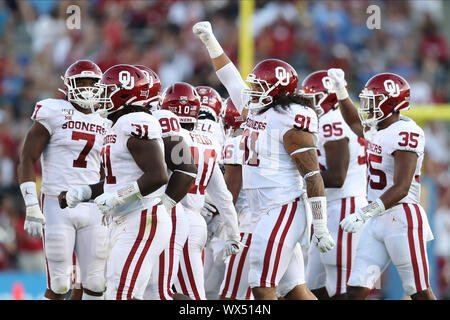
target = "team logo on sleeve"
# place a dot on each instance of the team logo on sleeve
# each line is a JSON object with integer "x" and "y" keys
{"x": 126, "y": 80}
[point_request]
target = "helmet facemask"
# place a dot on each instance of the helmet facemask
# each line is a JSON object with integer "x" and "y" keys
{"x": 104, "y": 104}
{"x": 84, "y": 96}
{"x": 317, "y": 99}
{"x": 370, "y": 112}
{"x": 257, "y": 96}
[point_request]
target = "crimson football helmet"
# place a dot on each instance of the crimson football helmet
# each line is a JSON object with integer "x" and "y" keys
{"x": 155, "y": 86}
{"x": 122, "y": 85}
{"x": 182, "y": 99}
{"x": 82, "y": 96}
{"x": 318, "y": 86}
{"x": 383, "y": 94}
{"x": 267, "y": 79}
{"x": 210, "y": 101}
{"x": 231, "y": 116}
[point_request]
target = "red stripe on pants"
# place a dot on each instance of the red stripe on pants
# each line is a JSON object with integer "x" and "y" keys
{"x": 130, "y": 257}
{"x": 189, "y": 271}
{"x": 270, "y": 246}
{"x": 349, "y": 242}
{"x": 43, "y": 243}
{"x": 241, "y": 266}
{"x": 411, "y": 247}
{"x": 422, "y": 247}
{"x": 144, "y": 252}
{"x": 339, "y": 249}
{"x": 281, "y": 242}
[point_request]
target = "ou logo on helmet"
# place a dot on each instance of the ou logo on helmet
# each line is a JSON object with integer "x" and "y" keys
{"x": 126, "y": 79}
{"x": 149, "y": 78}
{"x": 327, "y": 83}
{"x": 392, "y": 88}
{"x": 282, "y": 75}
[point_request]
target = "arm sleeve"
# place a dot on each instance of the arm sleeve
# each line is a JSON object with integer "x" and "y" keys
{"x": 233, "y": 82}
{"x": 223, "y": 200}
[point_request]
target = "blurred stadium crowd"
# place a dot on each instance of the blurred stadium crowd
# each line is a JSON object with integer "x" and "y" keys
{"x": 36, "y": 47}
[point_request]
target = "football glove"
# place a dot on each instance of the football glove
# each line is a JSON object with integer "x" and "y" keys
{"x": 78, "y": 194}
{"x": 322, "y": 238}
{"x": 204, "y": 31}
{"x": 34, "y": 221}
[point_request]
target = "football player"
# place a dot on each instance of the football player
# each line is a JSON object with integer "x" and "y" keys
{"x": 68, "y": 138}
{"x": 131, "y": 196}
{"x": 235, "y": 280}
{"x": 181, "y": 177}
{"x": 397, "y": 227}
{"x": 279, "y": 143}
{"x": 182, "y": 99}
{"x": 343, "y": 169}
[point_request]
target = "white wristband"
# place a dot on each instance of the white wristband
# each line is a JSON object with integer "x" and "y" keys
{"x": 214, "y": 48}
{"x": 375, "y": 208}
{"x": 319, "y": 209}
{"x": 341, "y": 93}
{"x": 168, "y": 202}
{"x": 29, "y": 193}
{"x": 128, "y": 193}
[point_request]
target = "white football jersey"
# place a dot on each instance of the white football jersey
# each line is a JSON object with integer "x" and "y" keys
{"x": 266, "y": 163}
{"x": 204, "y": 151}
{"x": 72, "y": 156}
{"x": 209, "y": 179}
{"x": 120, "y": 167}
{"x": 332, "y": 127}
{"x": 232, "y": 155}
{"x": 212, "y": 129}
{"x": 403, "y": 135}
{"x": 170, "y": 127}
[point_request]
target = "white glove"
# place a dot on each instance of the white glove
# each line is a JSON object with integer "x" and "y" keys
{"x": 109, "y": 200}
{"x": 231, "y": 247}
{"x": 337, "y": 77}
{"x": 322, "y": 238}
{"x": 78, "y": 194}
{"x": 34, "y": 221}
{"x": 354, "y": 222}
{"x": 204, "y": 31}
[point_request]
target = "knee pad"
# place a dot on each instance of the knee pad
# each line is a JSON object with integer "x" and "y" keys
{"x": 60, "y": 284}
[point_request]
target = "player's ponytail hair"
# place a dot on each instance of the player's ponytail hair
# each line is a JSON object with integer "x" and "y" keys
{"x": 284, "y": 100}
